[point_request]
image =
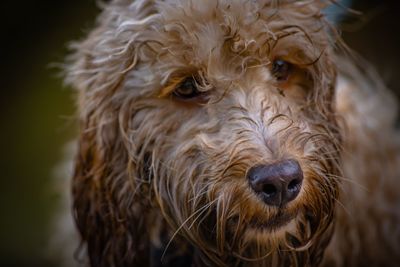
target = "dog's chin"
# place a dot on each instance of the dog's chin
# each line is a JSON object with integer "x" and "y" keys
{"x": 274, "y": 224}
{"x": 272, "y": 229}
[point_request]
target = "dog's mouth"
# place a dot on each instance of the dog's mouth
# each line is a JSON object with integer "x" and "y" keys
{"x": 278, "y": 221}
{"x": 273, "y": 224}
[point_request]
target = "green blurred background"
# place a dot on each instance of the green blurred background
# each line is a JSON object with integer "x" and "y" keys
{"x": 37, "y": 112}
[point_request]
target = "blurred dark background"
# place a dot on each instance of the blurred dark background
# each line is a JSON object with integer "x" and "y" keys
{"x": 37, "y": 112}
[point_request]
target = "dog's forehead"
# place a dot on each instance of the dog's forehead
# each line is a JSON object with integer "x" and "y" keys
{"x": 223, "y": 40}
{"x": 210, "y": 33}
{"x": 209, "y": 23}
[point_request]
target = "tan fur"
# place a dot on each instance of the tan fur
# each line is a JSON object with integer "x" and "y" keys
{"x": 154, "y": 172}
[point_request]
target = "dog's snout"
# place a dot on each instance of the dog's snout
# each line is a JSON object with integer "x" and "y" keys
{"x": 277, "y": 183}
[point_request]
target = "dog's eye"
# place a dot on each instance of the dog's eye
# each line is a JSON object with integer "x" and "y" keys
{"x": 187, "y": 89}
{"x": 281, "y": 70}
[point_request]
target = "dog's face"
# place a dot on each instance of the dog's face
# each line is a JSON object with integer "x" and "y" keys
{"x": 215, "y": 120}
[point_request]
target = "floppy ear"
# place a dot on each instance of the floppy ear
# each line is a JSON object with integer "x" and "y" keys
{"x": 110, "y": 219}
{"x": 109, "y": 213}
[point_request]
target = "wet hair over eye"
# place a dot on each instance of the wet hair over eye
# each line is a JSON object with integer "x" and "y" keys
{"x": 281, "y": 70}
{"x": 187, "y": 89}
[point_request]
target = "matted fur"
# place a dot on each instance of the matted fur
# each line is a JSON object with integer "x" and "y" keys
{"x": 162, "y": 182}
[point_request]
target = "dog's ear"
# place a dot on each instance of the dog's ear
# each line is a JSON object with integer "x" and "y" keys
{"x": 111, "y": 217}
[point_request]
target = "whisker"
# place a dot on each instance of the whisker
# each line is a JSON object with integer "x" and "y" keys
{"x": 200, "y": 210}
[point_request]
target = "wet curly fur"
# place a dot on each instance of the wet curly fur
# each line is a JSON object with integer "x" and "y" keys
{"x": 160, "y": 180}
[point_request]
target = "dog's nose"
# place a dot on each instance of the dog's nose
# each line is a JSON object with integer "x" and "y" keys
{"x": 277, "y": 183}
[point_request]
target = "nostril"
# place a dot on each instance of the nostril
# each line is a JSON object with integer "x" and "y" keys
{"x": 294, "y": 185}
{"x": 269, "y": 190}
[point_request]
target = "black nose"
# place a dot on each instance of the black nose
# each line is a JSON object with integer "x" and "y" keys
{"x": 277, "y": 183}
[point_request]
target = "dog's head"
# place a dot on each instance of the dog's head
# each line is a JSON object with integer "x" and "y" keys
{"x": 210, "y": 124}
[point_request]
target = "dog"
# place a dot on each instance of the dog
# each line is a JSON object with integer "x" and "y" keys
{"x": 231, "y": 133}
